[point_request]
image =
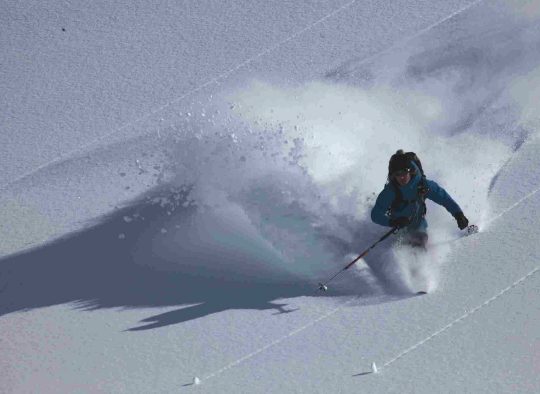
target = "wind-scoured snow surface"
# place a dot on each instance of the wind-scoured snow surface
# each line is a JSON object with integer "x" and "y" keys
{"x": 221, "y": 210}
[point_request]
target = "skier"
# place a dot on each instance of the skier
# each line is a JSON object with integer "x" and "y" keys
{"x": 402, "y": 204}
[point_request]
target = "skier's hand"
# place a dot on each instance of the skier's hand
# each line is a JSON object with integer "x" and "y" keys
{"x": 461, "y": 220}
{"x": 400, "y": 222}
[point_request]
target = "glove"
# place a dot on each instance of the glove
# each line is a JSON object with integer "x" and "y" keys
{"x": 461, "y": 220}
{"x": 400, "y": 222}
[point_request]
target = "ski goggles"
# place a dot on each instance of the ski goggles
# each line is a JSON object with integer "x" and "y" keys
{"x": 401, "y": 172}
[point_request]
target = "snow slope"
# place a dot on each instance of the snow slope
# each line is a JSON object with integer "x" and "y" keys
{"x": 181, "y": 232}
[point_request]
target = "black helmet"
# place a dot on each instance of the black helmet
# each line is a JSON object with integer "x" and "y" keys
{"x": 399, "y": 162}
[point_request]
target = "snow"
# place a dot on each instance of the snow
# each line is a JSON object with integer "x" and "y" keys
{"x": 178, "y": 177}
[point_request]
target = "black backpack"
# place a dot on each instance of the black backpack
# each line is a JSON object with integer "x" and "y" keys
{"x": 422, "y": 185}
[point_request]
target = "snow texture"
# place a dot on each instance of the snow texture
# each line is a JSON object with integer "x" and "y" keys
{"x": 178, "y": 177}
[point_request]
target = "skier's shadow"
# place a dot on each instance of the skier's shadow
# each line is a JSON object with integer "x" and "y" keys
{"x": 234, "y": 299}
{"x": 95, "y": 269}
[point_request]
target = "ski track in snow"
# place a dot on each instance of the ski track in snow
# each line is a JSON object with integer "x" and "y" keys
{"x": 462, "y": 317}
{"x": 279, "y": 340}
{"x": 416, "y": 35}
{"x": 488, "y": 222}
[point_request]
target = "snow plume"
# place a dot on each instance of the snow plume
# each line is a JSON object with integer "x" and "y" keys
{"x": 409, "y": 270}
{"x": 348, "y": 134}
{"x": 284, "y": 178}
{"x": 297, "y": 168}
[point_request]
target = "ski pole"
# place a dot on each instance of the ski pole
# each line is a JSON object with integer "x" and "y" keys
{"x": 324, "y": 286}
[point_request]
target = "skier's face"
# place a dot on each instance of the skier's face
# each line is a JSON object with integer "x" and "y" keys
{"x": 403, "y": 178}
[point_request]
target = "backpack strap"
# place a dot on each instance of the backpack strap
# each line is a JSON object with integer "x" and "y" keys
{"x": 423, "y": 190}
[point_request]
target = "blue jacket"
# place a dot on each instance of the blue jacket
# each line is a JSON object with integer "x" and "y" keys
{"x": 415, "y": 210}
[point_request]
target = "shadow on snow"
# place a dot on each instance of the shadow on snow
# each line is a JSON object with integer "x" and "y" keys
{"x": 95, "y": 269}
